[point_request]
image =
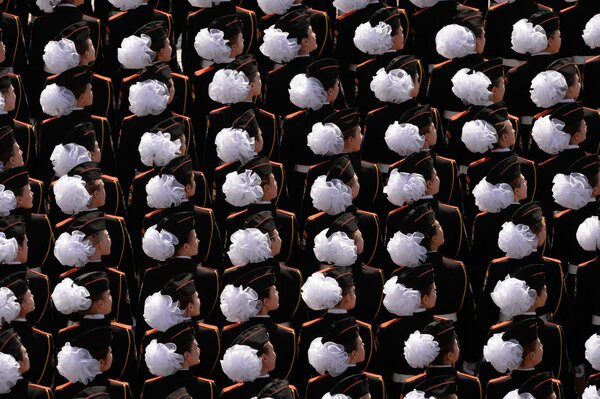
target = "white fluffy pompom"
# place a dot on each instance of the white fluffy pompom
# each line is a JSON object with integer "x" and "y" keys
{"x": 349, "y": 5}
{"x": 164, "y": 192}
{"x": 77, "y": 365}
{"x": 592, "y": 351}
{"x": 8, "y": 248}
{"x": 504, "y": 356}
{"x": 526, "y": 38}
{"x": 242, "y": 189}
{"x": 513, "y": 296}
{"x": 420, "y": 350}
{"x": 549, "y": 136}
{"x": 336, "y": 396}
{"x": 229, "y": 86}
{"x": 9, "y": 307}
{"x": 69, "y": 297}
{"x": 492, "y": 198}
{"x": 249, "y": 246}
{"x": 406, "y": 249}
{"x": 66, "y": 157}
{"x": 277, "y": 46}
{"x": 591, "y": 32}
{"x": 399, "y": 299}
{"x": 162, "y": 313}
{"x": 211, "y": 45}
{"x": 47, "y": 6}
{"x": 57, "y": 100}
{"x": 159, "y": 245}
{"x": 472, "y": 87}
{"x": 591, "y": 392}
{"x": 161, "y": 359}
{"x": 149, "y": 97}
{"x": 71, "y": 195}
{"x": 241, "y": 363}
{"x": 325, "y": 139}
{"x": 404, "y": 188}
{"x": 124, "y": 5}
{"x": 394, "y": 87}
{"x": 479, "y": 136}
{"x": 373, "y": 40}
{"x": 425, "y": 3}
{"x": 9, "y": 372}
{"x": 548, "y": 88}
{"x": 234, "y": 145}
{"x": 327, "y": 357}
{"x": 73, "y": 249}
{"x": 60, "y": 55}
{"x": 588, "y": 234}
{"x": 239, "y": 304}
{"x": 135, "y": 52}
{"x": 338, "y": 248}
{"x": 307, "y": 92}
{"x": 201, "y": 3}
{"x": 403, "y": 138}
{"x": 157, "y": 149}
{"x": 455, "y": 41}
{"x": 8, "y": 201}
{"x": 2, "y": 109}
{"x": 514, "y": 394}
{"x": 414, "y": 394}
{"x": 320, "y": 292}
{"x": 571, "y": 191}
{"x": 332, "y": 197}
{"x": 278, "y": 7}
{"x": 517, "y": 241}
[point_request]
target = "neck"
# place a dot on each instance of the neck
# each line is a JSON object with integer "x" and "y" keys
{"x": 95, "y": 257}
{"x": 263, "y": 311}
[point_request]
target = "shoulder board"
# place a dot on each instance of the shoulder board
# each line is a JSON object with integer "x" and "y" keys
{"x": 553, "y": 325}
{"x": 317, "y": 378}
{"x": 376, "y": 376}
{"x": 278, "y": 164}
{"x": 205, "y": 380}
{"x": 152, "y": 268}
{"x": 154, "y": 379}
{"x": 38, "y": 273}
{"x": 265, "y": 17}
{"x": 223, "y": 166}
{"x": 479, "y": 161}
{"x": 203, "y": 70}
{"x": 339, "y": 18}
{"x": 498, "y": 260}
{"x": 562, "y": 213}
{"x": 526, "y": 160}
{"x": 494, "y": 380}
{"x": 295, "y": 114}
{"x": 63, "y": 386}
{"x": 389, "y": 323}
{"x": 180, "y": 76}
{"x": 116, "y": 16}
{"x": 497, "y": 6}
{"x": 111, "y": 178}
{"x": 232, "y": 387}
{"x": 131, "y": 77}
{"x": 276, "y": 69}
{"x": 454, "y": 260}
{"x": 231, "y": 269}
{"x": 123, "y": 384}
{"x": 547, "y": 161}
{"x": 481, "y": 214}
{"x": 545, "y": 7}
{"x": 362, "y": 323}
{"x": 149, "y": 332}
{"x": 288, "y": 329}
{"x": 398, "y": 210}
{"x": 112, "y": 269}
{"x": 414, "y": 377}
{"x": 288, "y": 213}
{"x": 244, "y": 10}
{"x": 22, "y": 123}
{"x": 266, "y": 113}
{"x": 588, "y": 262}
{"x": 318, "y": 164}
{"x": 36, "y": 181}
{"x": 452, "y": 207}
{"x": 594, "y": 375}
{"x": 230, "y": 326}
{"x": 201, "y": 208}
{"x": 142, "y": 174}
{"x": 214, "y": 111}
{"x": 49, "y": 119}
{"x": 67, "y": 273}
{"x": 128, "y": 117}
{"x": 549, "y": 259}
{"x": 10, "y": 15}
{"x": 315, "y": 216}
{"x": 445, "y": 159}
{"x": 565, "y": 9}
{"x": 376, "y": 110}
{"x": 197, "y": 12}
{"x": 60, "y": 224}
{"x": 208, "y": 326}
{"x": 469, "y": 376}
{"x": 311, "y": 322}
{"x": 41, "y": 332}
{"x": 115, "y": 217}
{"x": 31, "y": 384}
{"x": 459, "y": 115}
{"x": 68, "y": 328}
{"x": 100, "y": 118}
{"x": 162, "y": 12}
{"x": 181, "y": 116}
{"x": 362, "y": 64}
{"x": 317, "y": 11}
{"x": 596, "y": 58}
{"x": 541, "y": 114}
{"x": 233, "y": 215}
{"x": 441, "y": 64}
{"x": 121, "y": 325}
{"x": 154, "y": 212}
{"x": 499, "y": 325}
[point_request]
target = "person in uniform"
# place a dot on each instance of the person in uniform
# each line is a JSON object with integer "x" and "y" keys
{"x": 245, "y": 313}
{"x": 331, "y": 290}
{"x": 543, "y": 53}
{"x": 171, "y": 364}
{"x": 442, "y": 386}
{"x": 149, "y": 100}
{"x": 439, "y": 359}
{"x": 354, "y": 387}
{"x": 64, "y": 101}
{"x": 332, "y": 194}
{"x": 418, "y": 283}
{"x": 562, "y": 142}
{"x": 383, "y": 46}
{"x": 16, "y": 362}
{"x": 92, "y": 311}
{"x": 541, "y": 385}
{"x": 573, "y": 20}
{"x": 13, "y": 38}
{"x": 462, "y": 43}
{"x": 157, "y": 50}
{"x": 497, "y": 196}
{"x": 342, "y": 338}
{"x": 175, "y": 256}
{"x": 278, "y": 389}
{"x": 248, "y": 362}
{"x": 214, "y": 16}
{"x": 289, "y": 281}
{"x": 420, "y": 166}
{"x": 178, "y": 302}
{"x": 294, "y": 57}
{"x": 316, "y": 92}
{"x": 98, "y": 392}
{"x": 517, "y": 350}
{"x": 17, "y": 302}
{"x": 83, "y": 361}
{"x": 81, "y": 247}
{"x": 73, "y": 47}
